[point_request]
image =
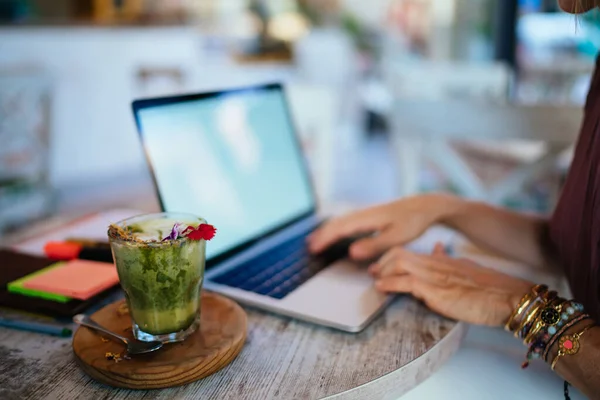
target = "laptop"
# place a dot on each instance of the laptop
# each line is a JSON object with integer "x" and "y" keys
{"x": 233, "y": 158}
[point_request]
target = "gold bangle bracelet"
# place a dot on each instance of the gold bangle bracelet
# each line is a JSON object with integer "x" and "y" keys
{"x": 532, "y": 313}
{"x": 523, "y": 305}
{"x": 525, "y": 301}
{"x": 530, "y": 317}
{"x": 569, "y": 345}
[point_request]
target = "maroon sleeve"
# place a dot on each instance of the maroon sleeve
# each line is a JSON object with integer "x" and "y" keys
{"x": 575, "y": 224}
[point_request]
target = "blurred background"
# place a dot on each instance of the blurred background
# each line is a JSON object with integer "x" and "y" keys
{"x": 391, "y": 97}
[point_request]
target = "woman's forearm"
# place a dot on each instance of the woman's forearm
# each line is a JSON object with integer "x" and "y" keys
{"x": 513, "y": 235}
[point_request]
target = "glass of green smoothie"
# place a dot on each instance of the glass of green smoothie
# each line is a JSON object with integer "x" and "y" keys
{"x": 160, "y": 261}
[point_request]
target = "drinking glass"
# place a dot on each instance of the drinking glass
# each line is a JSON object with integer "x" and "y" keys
{"x": 161, "y": 276}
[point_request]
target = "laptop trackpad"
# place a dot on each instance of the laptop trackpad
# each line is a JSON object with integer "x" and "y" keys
{"x": 342, "y": 293}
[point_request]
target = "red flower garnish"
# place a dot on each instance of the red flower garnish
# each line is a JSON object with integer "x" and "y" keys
{"x": 203, "y": 231}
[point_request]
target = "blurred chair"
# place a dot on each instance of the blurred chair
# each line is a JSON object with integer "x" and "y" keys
{"x": 25, "y": 191}
{"x": 315, "y": 113}
{"x": 424, "y": 129}
{"x": 449, "y": 79}
{"x": 449, "y": 113}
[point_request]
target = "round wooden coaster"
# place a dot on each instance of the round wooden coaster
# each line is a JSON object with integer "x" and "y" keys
{"x": 219, "y": 340}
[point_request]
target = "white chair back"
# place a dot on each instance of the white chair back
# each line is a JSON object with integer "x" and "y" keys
{"x": 456, "y": 115}
{"x": 439, "y": 80}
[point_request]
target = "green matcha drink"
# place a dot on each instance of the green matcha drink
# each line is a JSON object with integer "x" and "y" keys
{"x": 160, "y": 261}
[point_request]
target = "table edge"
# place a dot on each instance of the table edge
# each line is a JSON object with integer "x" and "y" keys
{"x": 389, "y": 386}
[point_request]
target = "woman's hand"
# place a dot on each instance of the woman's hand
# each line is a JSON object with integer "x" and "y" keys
{"x": 456, "y": 288}
{"x": 393, "y": 224}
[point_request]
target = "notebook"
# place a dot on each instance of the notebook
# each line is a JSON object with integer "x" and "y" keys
{"x": 19, "y": 288}
{"x": 15, "y": 265}
{"x": 79, "y": 279}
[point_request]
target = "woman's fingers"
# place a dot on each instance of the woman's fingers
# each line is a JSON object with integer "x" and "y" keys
{"x": 429, "y": 268}
{"x": 368, "y": 248}
{"x": 395, "y": 284}
{"x": 402, "y": 284}
{"x": 388, "y": 264}
{"x": 368, "y": 220}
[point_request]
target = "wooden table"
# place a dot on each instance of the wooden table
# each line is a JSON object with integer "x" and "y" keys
{"x": 282, "y": 359}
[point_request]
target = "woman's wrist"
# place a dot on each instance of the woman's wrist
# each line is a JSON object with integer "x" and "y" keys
{"x": 549, "y": 325}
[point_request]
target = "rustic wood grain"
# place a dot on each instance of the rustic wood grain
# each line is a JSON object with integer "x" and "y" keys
{"x": 219, "y": 340}
{"x": 282, "y": 359}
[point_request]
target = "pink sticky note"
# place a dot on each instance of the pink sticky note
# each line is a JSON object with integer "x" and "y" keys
{"x": 80, "y": 279}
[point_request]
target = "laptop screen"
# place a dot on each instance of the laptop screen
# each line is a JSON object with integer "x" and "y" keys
{"x": 230, "y": 157}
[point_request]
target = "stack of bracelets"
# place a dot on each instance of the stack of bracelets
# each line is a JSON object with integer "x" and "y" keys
{"x": 541, "y": 320}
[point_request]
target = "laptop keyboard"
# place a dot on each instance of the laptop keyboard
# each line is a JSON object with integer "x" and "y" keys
{"x": 277, "y": 272}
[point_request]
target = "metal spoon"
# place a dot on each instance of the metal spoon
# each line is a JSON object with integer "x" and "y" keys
{"x": 133, "y": 346}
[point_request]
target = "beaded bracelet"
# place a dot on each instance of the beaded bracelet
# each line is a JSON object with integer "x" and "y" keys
{"x": 542, "y": 344}
{"x": 553, "y": 316}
